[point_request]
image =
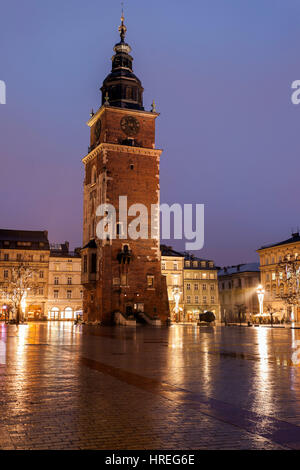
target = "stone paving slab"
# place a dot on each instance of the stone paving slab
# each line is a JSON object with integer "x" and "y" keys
{"x": 64, "y": 387}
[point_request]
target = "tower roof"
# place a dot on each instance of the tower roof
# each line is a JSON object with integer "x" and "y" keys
{"x": 121, "y": 88}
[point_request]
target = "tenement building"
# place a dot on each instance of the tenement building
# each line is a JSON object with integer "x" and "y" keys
{"x": 172, "y": 267}
{"x": 29, "y": 250}
{"x": 200, "y": 288}
{"x": 53, "y": 290}
{"x": 237, "y": 291}
{"x": 121, "y": 273}
{"x": 64, "y": 287}
{"x": 280, "y": 277}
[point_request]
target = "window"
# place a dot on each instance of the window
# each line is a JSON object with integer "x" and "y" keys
{"x": 204, "y": 299}
{"x": 55, "y": 294}
{"x": 6, "y": 257}
{"x": 203, "y": 264}
{"x": 5, "y": 274}
{"x": 273, "y": 260}
{"x": 85, "y": 264}
{"x": 56, "y": 281}
{"x": 94, "y": 175}
{"x": 196, "y": 286}
{"x": 188, "y": 286}
{"x": 93, "y": 263}
{"x": 212, "y": 276}
{"x": 19, "y": 257}
{"x": 120, "y": 229}
{"x": 69, "y": 294}
{"x": 30, "y": 257}
{"x": 81, "y": 294}
{"x": 150, "y": 282}
{"x": 175, "y": 266}
{"x": 204, "y": 275}
{"x": 42, "y": 257}
{"x": 204, "y": 287}
{"x": 212, "y": 299}
{"x": 196, "y": 299}
{"x": 212, "y": 287}
{"x": 41, "y": 274}
{"x": 267, "y": 277}
{"x": 163, "y": 265}
{"x": 195, "y": 264}
{"x": 273, "y": 276}
{"x": 41, "y": 291}
{"x": 69, "y": 281}
{"x": 187, "y": 263}
{"x": 68, "y": 313}
{"x": 188, "y": 299}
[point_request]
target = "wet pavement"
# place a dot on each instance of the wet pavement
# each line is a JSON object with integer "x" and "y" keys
{"x": 184, "y": 387}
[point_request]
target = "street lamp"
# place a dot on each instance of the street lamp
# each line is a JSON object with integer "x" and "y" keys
{"x": 4, "y": 307}
{"x": 260, "y": 294}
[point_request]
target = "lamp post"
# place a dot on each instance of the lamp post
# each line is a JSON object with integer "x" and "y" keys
{"x": 260, "y": 294}
{"x": 5, "y": 312}
{"x": 176, "y": 296}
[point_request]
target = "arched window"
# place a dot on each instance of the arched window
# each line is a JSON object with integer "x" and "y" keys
{"x": 68, "y": 313}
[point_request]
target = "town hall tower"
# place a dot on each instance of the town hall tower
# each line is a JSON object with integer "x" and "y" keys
{"x": 122, "y": 276}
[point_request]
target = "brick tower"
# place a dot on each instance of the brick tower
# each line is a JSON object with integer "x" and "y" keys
{"x": 122, "y": 276}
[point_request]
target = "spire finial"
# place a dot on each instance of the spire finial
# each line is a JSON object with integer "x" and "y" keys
{"x": 122, "y": 28}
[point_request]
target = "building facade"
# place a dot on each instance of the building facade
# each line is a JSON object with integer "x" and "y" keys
{"x": 172, "y": 267}
{"x": 274, "y": 264}
{"x": 122, "y": 275}
{"x": 56, "y": 291}
{"x": 65, "y": 291}
{"x": 200, "y": 288}
{"x": 30, "y": 249}
{"x": 237, "y": 291}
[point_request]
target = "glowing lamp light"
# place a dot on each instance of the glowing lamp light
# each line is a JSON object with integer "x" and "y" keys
{"x": 260, "y": 294}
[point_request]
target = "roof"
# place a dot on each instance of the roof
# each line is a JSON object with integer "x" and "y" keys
{"x": 295, "y": 238}
{"x": 90, "y": 244}
{"x": 13, "y": 239}
{"x": 168, "y": 251}
{"x": 239, "y": 268}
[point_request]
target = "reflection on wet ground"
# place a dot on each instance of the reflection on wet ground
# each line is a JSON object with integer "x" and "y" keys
{"x": 80, "y": 387}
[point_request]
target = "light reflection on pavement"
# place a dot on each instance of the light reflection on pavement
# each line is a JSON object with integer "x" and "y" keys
{"x": 84, "y": 387}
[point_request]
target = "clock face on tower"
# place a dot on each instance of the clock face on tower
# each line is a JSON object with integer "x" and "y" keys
{"x": 98, "y": 130}
{"x": 130, "y": 126}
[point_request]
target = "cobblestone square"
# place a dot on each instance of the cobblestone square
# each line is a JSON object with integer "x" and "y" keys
{"x": 184, "y": 387}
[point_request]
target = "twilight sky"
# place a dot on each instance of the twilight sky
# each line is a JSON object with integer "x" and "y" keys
{"x": 220, "y": 72}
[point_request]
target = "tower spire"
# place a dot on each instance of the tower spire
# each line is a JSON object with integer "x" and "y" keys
{"x": 122, "y": 27}
{"x": 121, "y": 88}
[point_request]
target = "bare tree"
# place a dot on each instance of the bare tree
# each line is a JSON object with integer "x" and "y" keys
{"x": 14, "y": 290}
{"x": 241, "y": 310}
{"x": 288, "y": 275}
